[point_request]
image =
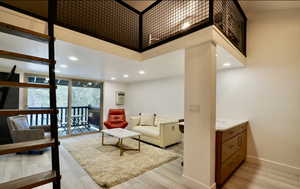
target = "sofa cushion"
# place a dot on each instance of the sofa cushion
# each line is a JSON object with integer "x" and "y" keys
{"x": 20, "y": 123}
{"x": 148, "y": 131}
{"x": 147, "y": 120}
{"x": 160, "y": 120}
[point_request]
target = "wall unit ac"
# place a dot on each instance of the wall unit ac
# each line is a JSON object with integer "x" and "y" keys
{"x": 120, "y": 98}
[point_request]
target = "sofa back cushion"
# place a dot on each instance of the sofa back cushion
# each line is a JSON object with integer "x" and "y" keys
{"x": 116, "y": 118}
{"x": 147, "y": 120}
{"x": 160, "y": 120}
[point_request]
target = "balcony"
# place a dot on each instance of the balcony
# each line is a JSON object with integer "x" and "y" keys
{"x": 83, "y": 119}
{"x": 116, "y": 22}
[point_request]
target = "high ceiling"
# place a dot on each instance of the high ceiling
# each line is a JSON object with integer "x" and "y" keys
{"x": 96, "y": 65}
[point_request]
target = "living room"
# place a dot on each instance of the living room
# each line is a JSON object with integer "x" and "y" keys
{"x": 207, "y": 101}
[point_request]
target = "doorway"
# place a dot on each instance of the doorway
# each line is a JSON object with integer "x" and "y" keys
{"x": 79, "y": 104}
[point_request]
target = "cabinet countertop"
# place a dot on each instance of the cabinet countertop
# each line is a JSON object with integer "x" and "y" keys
{"x": 223, "y": 125}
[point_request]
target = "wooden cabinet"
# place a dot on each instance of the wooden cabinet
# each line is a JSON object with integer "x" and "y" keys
{"x": 231, "y": 150}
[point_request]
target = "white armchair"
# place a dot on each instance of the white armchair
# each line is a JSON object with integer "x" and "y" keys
{"x": 162, "y": 133}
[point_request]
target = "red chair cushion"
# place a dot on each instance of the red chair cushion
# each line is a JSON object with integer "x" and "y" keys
{"x": 116, "y": 119}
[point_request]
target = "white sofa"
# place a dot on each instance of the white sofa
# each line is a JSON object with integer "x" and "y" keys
{"x": 162, "y": 133}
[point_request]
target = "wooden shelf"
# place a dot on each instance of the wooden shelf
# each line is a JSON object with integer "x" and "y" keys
{"x": 23, "y": 57}
{"x": 27, "y": 85}
{"x": 23, "y": 112}
{"x": 31, "y": 181}
{"x": 22, "y": 32}
{"x": 25, "y": 146}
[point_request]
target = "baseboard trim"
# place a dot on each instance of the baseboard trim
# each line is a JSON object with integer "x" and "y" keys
{"x": 194, "y": 184}
{"x": 264, "y": 163}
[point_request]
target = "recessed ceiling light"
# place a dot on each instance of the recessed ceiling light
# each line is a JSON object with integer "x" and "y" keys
{"x": 226, "y": 64}
{"x": 63, "y": 66}
{"x": 141, "y": 72}
{"x": 125, "y": 76}
{"x": 113, "y": 78}
{"x": 185, "y": 25}
{"x": 73, "y": 58}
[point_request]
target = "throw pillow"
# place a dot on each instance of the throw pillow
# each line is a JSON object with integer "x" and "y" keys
{"x": 21, "y": 123}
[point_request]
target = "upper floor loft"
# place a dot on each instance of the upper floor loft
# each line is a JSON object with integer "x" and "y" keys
{"x": 117, "y": 22}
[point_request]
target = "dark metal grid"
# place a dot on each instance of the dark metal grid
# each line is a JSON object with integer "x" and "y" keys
{"x": 35, "y": 8}
{"x": 230, "y": 20}
{"x": 166, "y": 19}
{"x": 112, "y": 21}
{"x": 104, "y": 19}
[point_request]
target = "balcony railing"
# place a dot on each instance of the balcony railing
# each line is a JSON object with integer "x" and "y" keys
{"x": 163, "y": 21}
{"x": 82, "y": 117}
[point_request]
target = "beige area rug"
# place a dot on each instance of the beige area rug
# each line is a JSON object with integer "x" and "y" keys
{"x": 105, "y": 165}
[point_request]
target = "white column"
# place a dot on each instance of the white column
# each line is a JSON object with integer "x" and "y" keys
{"x": 200, "y": 115}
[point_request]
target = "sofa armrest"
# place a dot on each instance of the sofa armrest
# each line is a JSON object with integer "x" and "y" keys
{"x": 27, "y": 135}
{"x": 169, "y": 133}
{"x": 46, "y": 128}
{"x": 166, "y": 127}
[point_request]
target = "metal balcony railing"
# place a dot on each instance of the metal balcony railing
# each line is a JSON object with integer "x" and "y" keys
{"x": 163, "y": 21}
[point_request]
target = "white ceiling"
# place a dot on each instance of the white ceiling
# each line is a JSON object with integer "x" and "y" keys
{"x": 253, "y": 5}
{"x": 96, "y": 65}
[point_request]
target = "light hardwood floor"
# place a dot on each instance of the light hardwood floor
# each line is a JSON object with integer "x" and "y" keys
{"x": 167, "y": 176}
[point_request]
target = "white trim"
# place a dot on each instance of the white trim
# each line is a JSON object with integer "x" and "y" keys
{"x": 264, "y": 163}
{"x": 194, "y": 184}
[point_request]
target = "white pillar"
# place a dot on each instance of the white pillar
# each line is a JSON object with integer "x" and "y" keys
{"x": 200, "y": 116}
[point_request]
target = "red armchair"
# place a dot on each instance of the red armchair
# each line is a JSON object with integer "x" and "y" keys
{"x": 116, "y": 119}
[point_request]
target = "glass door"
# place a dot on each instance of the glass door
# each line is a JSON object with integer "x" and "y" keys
{"x": 79, "y": 105}
{"x": 86, "y": 107}
{"x": 38, "y": 98}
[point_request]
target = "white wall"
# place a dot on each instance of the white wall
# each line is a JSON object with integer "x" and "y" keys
{"x": 163, "y": 97}
{"x": 200, "y": 116}
{"x": 109, "y": 96}
{"x": 268, "y": 90}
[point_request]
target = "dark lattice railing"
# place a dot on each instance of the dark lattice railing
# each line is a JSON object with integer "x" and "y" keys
{"x": 230, "y": 19}
{"x": 165, "y": 20}
{"x": 171, "y": 18}
{"x": 104, "y": 19}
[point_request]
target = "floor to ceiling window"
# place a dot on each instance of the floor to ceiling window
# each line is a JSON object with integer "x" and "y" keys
{"x": 86, "y": 101}
{"x": 78, "y": 103}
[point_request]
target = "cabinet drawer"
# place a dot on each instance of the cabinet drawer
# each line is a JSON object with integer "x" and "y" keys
{"x": 229, "y": 166}
{"x": 231, "y": 146}
{"x": 233, "y": 132}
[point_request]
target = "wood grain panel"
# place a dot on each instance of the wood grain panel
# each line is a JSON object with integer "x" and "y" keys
{"x": 31, "y": 181}
{"x": 22, "y": 32}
